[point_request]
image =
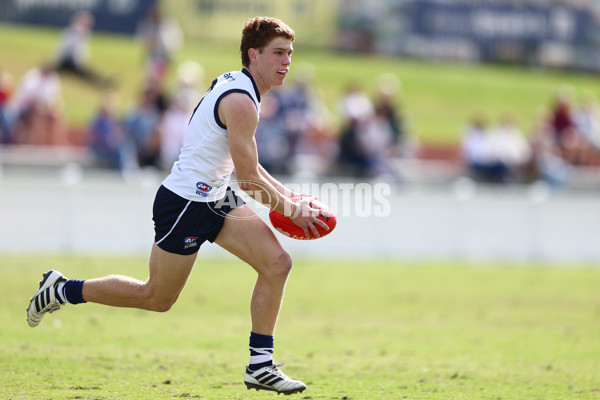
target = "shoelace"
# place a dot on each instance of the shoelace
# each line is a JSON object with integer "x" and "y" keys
{"x": 277, "y": 371}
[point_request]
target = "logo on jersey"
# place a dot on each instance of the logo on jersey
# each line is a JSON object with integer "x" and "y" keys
{"x": 202, "y": 189}
{"x": 229, "y": 77}
{"x": 190, "y": 241}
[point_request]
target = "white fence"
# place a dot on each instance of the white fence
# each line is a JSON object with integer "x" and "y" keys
{"x": 74, "y": 210}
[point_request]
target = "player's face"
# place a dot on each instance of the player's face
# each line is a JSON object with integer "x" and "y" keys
{"x": 274, "y": 62}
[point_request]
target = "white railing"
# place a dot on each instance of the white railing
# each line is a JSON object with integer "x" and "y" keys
{"x": 76, "y": 210}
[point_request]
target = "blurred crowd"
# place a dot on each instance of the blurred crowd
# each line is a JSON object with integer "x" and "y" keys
{"x": 297, "y": 133}
{"x": 364, "y": 136}
{"x": 361, "y": 138}
{"x": 566, "y": 135}
{"x": 32, "y": 111}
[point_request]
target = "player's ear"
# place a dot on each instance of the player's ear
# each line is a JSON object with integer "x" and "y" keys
{"x": 252, "y": 54}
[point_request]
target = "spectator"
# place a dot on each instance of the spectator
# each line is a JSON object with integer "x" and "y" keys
{"x": 141, "y": 128}
{"x": 179, "y": 109}
{"x": 190, "y": 85}
{"x": 293, "y": 127}
{"x": 510, "y": 148}
{"x": 566, "y": 134}
{"x": 354, "y": 108}
{"x": 295, "y": 107}
{"x": 587, "y": 122}
{"x": 561, "y": 119}
{"x": 6, "y": 87}
{"x": 274, "y": 146}
{"x": 306, "y": 123}
{"x": 315, "y": 149}
{"x": 375, "y": 142}
{"x": 478, "y": 153}
{"x": 159, "y": 95}
{"x": 355, "y": 104}
{"x": 73, "y": 51}
{"x": 161, "y": 37}
{"x": 547, "y": 162}
{"x": 351, "y": 158}
{"x": 38, "y": 106}
{"x": 386, "y": 104}
{"x": 106, "y": 135}
{"x": 172, "y": 127}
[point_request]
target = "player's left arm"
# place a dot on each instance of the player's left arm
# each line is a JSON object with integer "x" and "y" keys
{"x": 280, "y": 187}
{"x": 238, "y": 112}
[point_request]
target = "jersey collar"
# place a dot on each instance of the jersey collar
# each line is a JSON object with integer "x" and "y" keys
{"x": 249, "y": 75}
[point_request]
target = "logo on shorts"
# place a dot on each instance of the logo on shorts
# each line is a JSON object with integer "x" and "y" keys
{"x": 202, "y": 189}
{"x": 190, "y": 241}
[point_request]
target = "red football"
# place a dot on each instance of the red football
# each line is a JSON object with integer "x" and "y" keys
{"x": 286, "y": 226}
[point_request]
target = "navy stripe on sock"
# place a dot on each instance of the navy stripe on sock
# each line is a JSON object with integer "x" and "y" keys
{"x": 73, "y": 291}
{"x": 256, "y": 353}
{"x": 260, "y": 341}
{"x": 257, "y": 366}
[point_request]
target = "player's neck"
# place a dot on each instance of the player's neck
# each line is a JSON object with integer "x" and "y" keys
{"x": 261, "y": 85}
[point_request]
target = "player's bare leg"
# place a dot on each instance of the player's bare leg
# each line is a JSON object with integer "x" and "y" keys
{"x": 245, "y": 235}
{"x": 167, "y": 277}
{"x": 168, "y": 274}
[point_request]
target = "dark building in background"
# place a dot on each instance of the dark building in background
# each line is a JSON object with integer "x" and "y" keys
{"x": 117, "y": 16}
{"x": 559, "y": 34}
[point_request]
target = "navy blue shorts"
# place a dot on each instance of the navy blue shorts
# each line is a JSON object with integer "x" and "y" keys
{"x": 181, "y": 225}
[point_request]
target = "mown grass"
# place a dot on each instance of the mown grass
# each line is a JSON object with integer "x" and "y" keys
{"x": 437, "y": 99}
{"x": 388, "y": 330}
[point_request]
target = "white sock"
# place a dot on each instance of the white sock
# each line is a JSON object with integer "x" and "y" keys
{"x": 60, "y": 292}
{"x": 261, "y": 356}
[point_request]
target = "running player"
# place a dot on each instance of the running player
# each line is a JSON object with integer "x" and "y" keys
{"x": 195, "y": 204}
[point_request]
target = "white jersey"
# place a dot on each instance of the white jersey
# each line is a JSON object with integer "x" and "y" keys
{"x": 204, "y": 167}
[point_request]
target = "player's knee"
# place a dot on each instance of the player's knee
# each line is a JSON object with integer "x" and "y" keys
{"x": 154, "y": 301}
{"x": 163, "y": 306}
{"x": 281, "y": 265}
{"x": 160, "y": 305}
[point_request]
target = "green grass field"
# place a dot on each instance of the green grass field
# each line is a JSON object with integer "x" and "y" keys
{"x": 437, "y": 98}
{"x": 388, "y": 330}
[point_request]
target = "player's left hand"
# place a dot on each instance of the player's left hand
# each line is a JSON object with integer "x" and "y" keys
{"x": 307, "y": 218}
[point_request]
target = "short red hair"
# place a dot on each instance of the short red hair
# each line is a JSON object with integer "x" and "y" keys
{"x": 258, "y": 33}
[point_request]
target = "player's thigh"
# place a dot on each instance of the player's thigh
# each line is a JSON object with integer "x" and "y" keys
{"x": 246, "y": 235}
{"x": 169, "y": 272}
